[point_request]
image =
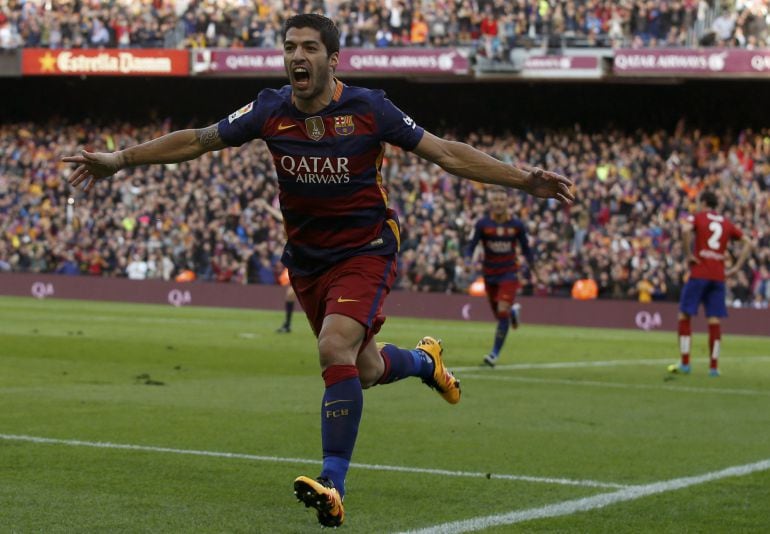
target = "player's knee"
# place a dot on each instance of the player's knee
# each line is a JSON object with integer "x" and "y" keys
{"x": 333, "y": 349}
{"x": 503, "y": 310}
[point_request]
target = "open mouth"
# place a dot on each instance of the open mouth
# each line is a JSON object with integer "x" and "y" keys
{"x": 301, "y": 77}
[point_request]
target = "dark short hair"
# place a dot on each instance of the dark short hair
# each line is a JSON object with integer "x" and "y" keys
{"x": 330, "y": 34}
{"x": 709, "y": 199}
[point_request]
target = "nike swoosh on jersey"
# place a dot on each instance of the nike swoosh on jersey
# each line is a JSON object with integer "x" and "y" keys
{"x": 285, "y": 126}
{"x": 340, "y": 299}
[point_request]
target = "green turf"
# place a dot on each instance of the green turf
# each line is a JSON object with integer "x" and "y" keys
{"x": 222, "y": 380}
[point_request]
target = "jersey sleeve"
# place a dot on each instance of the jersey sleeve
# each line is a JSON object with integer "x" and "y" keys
{"x": 397, "y": 128}
{"x": 243, "y": 125}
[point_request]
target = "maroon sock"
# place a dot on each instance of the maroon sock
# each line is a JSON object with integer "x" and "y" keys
{"x": 685, "y": 335}
{"x": 715, "y": 340}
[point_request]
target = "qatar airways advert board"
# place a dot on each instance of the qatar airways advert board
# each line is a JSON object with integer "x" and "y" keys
{"x": 709, "y": 62}
{"x": 404, "y": 61}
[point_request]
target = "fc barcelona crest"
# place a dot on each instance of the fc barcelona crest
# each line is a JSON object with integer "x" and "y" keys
{"x": 315, "y": 128}
{"x": 343, "y": 124}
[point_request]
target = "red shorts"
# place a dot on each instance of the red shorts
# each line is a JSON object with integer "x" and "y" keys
{"x": 502, "y": 292}
{"x": 355, "y": 287}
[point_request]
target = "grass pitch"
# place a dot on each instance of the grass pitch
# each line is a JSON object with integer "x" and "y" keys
{"x": 139, "y": 418}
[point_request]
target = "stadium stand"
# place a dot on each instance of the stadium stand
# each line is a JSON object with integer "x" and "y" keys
{"x": 205, "y": 216}
{"x": 492, "y": 28}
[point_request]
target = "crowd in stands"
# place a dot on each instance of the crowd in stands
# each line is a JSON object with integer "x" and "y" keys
{"x": 216, "y": 217}
{"x": 492, "y": 27}
{"x": 746, "y": 26}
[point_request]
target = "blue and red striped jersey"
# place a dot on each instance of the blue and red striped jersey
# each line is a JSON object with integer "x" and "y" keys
{"x": 333, "y": 201}
{"x": 499, "y": 240}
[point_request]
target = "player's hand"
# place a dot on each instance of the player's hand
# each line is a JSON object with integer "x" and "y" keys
{"x": 692, "y": 258}
{"x": 547, "y": 184}
{"x": 732, "y": 271}
{"x": 93, "y": 166}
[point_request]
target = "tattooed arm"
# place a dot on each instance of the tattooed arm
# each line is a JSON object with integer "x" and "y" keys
{"x": 174, "y": 147}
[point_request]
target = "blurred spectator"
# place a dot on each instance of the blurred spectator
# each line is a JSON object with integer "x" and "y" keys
{"x": 490, "y": 40}
{"x": 100, "y": 37}
{"x": 8, "y": 39}
{"x": 644, "y": 290}
{"x": 419, "y": 32}
{"x": 723, "y": 26}
{"x": 137, "y": 269}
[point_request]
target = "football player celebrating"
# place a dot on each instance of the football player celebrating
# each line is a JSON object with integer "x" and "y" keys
{"x": 327, "y": 140}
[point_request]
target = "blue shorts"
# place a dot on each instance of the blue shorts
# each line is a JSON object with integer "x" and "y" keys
{"x": 710, "y": 292}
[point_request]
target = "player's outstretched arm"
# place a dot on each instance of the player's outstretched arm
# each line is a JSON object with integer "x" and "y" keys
{"x": 174, "y": 147}
{"x": 467, "y": 162}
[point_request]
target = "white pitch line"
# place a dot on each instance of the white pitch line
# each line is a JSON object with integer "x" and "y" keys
{"x": 276, "y": 459}
{"x": 564, "y": 365}
{"x": 620, "y": 385}
{"x": 590, "y": 503}
{"x": 469, "y": 474}
{"x": 598, "y": 363}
